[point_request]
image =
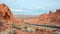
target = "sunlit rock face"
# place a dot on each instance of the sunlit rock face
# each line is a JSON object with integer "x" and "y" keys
{"x": 5, "y": 13}
{"x": 55, "y": 16}
{"x": 44, "y": 18}
{"x": 52, "y": 17}
{"x": 6, "y": 17}
{"x": 41, "y": 19}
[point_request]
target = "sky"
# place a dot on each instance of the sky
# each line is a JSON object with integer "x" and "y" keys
{"x": 31, "y": 7}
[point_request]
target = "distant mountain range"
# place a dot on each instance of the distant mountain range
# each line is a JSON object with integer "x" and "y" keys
{"x": 25, "y": 16}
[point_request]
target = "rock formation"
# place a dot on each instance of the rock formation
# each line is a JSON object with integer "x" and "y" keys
{"x": 51, "y": 18}
{"x": 6, "y": 17}
{"x": 5, "y": 13}
{"x": 55, "y": 16}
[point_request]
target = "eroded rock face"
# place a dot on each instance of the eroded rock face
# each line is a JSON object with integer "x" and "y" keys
{"x": 6, "y": 17}
{"x": 44, "y": 18}
{"x": 5, "y": 13}
{"x": 55, "y": 16}
{"x": 52, "y": 17}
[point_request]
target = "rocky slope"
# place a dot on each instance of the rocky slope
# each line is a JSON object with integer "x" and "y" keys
{"x": 51, "y": 18}
{"x": 5, "y": 13}
{"x": 6, "y": 17}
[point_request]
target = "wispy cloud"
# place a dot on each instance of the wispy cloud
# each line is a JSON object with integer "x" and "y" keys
{"x": 18, "y": 10}
{"x": 21, "y": 10}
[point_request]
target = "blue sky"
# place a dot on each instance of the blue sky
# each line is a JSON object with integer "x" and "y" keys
{"x": 31, "y": 7}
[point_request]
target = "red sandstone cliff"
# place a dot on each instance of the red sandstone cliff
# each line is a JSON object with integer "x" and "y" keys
{"x": 5, "y": 13}
{"x": 52, "y": 17}
{"x": 6, "y": 17}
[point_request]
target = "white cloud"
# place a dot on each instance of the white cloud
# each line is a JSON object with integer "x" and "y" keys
{"x": 21, "y": 10}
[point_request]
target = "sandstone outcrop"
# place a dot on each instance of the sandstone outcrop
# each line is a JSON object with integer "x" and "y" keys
{"x": 5, "y": 13}
{"x": 6, "y": 17}
{"x": 51, "y": 18}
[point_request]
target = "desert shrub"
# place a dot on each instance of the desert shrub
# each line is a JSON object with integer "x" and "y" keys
{"x": 7, "y": 32}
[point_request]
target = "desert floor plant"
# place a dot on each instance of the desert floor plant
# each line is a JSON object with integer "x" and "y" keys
{"x": 8, "y": 32}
